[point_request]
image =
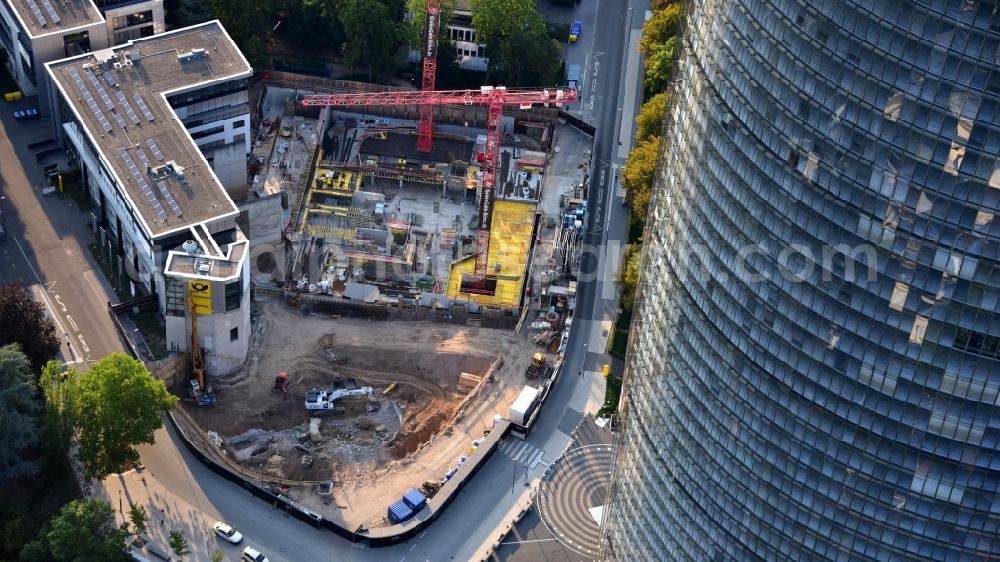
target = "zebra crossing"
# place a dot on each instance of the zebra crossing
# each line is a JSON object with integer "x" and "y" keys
{"x": 523, "y": 452}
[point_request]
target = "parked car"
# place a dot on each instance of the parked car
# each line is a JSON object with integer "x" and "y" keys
{"x": 227, "y": 532}
{"x": 574, "y": 30}
{"x": 25, "y": 114}
{"x": 251, "y": 554}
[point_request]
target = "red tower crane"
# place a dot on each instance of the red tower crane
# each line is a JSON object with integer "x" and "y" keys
{"x": 495, "y": 99}
{"x": 431, "y": 27}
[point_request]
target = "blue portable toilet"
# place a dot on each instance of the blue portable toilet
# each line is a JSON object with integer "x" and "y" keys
{"x": 399, "y": 512}
{"x": 415, "y": 499}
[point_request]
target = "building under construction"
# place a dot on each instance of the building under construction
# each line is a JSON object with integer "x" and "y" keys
{"x": 379, "y": 220}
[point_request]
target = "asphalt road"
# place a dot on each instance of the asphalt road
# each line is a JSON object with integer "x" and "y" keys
{"x": 45, "y": 249}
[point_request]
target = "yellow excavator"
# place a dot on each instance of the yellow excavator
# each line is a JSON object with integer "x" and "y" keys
{"x": 199, "y": 390}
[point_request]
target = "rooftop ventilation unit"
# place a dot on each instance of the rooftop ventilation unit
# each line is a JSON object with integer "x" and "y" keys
{"x": 202, "y": 266}
{"x": 192, "y": 55}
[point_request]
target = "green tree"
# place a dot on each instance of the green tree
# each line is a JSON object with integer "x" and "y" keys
{"x": 313, "y": 24}
{"x": 415, "y": 27}
{"x": 650, "y": 118}
{"x": 663, "y": 25}
{"x": 249, "y": 24}
{"x": 659, "y": 67}
{"x": 83, "y": 530}
{"x": 373, "y": 37}
{"x": 179, "y": 544}
{"x": 182, "y": 13}
{"x": 217, "y": 556}
{"x": 118, "y": 406}
{"x": 23, "y": 321}
{"x": 517, "y": 43}
{"x": 139, "y": 518}
{"x": 19, "y": 410}
{"x": 637, "y": 176}
{"x": 59, "y": 416}
{"x": 447, "y": 56}
{"x": 630, "y": 276}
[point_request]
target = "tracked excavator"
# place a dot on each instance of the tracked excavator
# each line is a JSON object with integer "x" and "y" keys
{"x": 326, "y": 399}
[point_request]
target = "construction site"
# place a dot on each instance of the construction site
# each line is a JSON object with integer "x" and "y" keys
{"x": 391, "y": 420}
{"x": 417, "y": 278}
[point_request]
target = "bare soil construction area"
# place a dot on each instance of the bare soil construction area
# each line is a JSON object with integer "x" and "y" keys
{"x": 361, "y": 444}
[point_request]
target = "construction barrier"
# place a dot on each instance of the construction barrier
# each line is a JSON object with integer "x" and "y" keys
{"x": 378, "y": 537}
{"x": 578, "y": 123}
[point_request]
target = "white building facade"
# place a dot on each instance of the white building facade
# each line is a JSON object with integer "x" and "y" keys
{"x": 155, "y": 189}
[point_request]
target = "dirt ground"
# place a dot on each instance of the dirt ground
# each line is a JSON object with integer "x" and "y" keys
{"x": 365, "y": 448}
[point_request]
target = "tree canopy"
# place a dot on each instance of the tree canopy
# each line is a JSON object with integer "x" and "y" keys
{"x": 179, "y": 544}
{"x": 630, "y": 278}
{"x": 659, "y": 66}
{"x": 23, "y": 321}
{"x": 58, "y": 417}
{"x": 517, "y": 43}
{"x": 415, "y": 27}
{"x": 313, "y": 24}
{"x": 19, "y": 409}
{"x": 249, "y": 24}
{"x": 83, "y": 530}
{"x": 118, "y": 406}
{"x": 638, "y": 174}
{"x": 372, "y": 36}
{"x": 650, "y": 118}
{"x": 661, "y": 27}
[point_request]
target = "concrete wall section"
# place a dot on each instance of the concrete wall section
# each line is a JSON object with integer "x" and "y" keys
{"x": 263, "y": 219}
{"x": 229, "y": 163}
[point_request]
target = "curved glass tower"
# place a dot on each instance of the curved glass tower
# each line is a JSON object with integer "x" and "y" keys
{"x": 813, "y": 372}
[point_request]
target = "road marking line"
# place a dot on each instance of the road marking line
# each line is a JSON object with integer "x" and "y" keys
{"x": 70, "y": 320}
{"x": 27, "y": 261}
{"x": 83, "y": 342}
{"x": 49, "y": 306}
{"x": 60, "y": 303}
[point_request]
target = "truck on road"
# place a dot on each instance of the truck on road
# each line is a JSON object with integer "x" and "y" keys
{"x": 524, "y": 405}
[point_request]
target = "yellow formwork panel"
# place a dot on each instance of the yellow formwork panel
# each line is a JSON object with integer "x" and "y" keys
{"x": 510, "y": 241}
{"x": 340, "y": 181}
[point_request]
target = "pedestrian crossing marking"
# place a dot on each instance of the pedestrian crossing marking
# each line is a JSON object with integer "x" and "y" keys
{"x": 522, "y": 451}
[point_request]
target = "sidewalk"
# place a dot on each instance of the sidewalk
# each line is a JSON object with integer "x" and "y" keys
{"x": 587, "y": 399}
{"x": 515, "y": 512}
{"x": 166, "y": 511}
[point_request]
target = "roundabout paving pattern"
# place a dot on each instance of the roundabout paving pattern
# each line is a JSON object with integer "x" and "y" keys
{"x": 573, "y": 486}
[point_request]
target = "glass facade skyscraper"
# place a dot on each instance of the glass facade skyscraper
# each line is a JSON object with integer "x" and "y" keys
{"x": 813, "y": 372}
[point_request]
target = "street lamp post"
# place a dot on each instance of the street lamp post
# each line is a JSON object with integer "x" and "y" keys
{"x": 3, "y": 217}
{"x": 120, "y": 508}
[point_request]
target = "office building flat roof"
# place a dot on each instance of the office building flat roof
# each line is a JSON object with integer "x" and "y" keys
{"x": 41, "y": 17}
{"x": 207, "y": 266}
{"x": 119, "y": 96}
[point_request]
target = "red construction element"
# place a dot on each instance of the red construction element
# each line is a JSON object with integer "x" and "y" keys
{"x": 496, "y": 99}
{"x": 432, "y": 25}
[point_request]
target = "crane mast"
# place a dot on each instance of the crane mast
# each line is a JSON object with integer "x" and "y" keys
{"x": 432, "y": 24}
{"x": 495, "y": 98}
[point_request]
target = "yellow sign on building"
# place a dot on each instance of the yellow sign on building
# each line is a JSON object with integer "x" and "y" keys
{"x": 201, "y": 296}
